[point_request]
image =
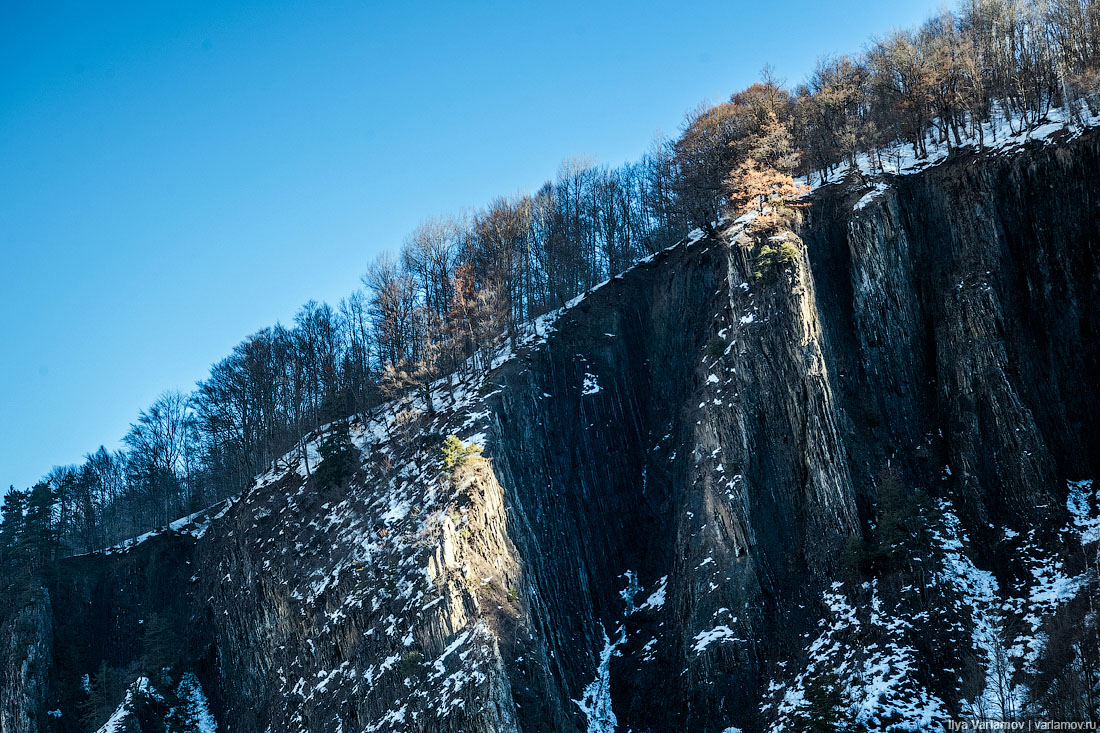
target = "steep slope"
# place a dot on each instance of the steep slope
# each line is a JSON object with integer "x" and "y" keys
{"x": 683, "y": 473}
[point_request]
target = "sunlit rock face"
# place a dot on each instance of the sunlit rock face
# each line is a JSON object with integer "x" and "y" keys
{"x": 679, "y": 470}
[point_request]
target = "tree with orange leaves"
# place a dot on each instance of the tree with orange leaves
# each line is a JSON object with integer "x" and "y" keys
{"x": 762, "y": 183}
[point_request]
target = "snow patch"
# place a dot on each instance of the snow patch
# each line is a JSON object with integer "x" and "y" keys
{"x": 596, "y": 703}
{"x": 657, "y": 598}
{"x": 876, "y": 190}
{"x": 718, "y": 634}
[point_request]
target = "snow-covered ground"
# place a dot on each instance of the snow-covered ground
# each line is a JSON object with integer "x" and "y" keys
{"x": 596, "y": 703}
{"x": 188, "y": 709}
{"x": 193, "y": 524}
{"x": 1001, "y": 135}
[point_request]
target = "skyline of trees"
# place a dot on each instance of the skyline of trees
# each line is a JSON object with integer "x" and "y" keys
{"x": 460, "y": 282}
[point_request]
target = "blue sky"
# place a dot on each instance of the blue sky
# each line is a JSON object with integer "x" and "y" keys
{"x": 175, "y": 176}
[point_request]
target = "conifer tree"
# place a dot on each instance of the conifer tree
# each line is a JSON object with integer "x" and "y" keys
{"x": 12, "y": 523}
{"x": 338, "y": 457}
{"x": 104, "y": 690}
{"x": 825, "y": 708}
{"x": 39, "y": 532}
{"x": 161, "y": 644}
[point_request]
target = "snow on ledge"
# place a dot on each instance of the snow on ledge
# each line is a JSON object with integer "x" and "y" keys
{"x": 1001, "y": 135}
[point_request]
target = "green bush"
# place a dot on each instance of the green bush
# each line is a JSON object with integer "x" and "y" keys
{"x": 904, "y": 523}
{"x": 457, "y": 454}
{"x": 773, "y": 257}
{"x": 411, "y": 665}
{"x": 904, "y": 520}
{"x": 857, "y": 559}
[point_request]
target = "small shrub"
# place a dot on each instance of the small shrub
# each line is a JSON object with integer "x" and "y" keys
{"x": 902, "y": 531}
{"x": 513, "y": 594}
{"x": 903, "y": 523}
{"x": 411, "y": 665}
{"x": 857, "y": 559}
{"x": 473, "y": 585}
{"x": 715, "y": 348}
{"x": 457, "y": 454}
{"x": 773, "y": 257}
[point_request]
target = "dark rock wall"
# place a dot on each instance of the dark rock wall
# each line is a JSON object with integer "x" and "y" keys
{"x": 965, "y": 300}
{"x": 27, "y": 648}
{"x": 595, "y": 482}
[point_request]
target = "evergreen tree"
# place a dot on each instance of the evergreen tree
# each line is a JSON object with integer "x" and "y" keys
{"x": 902, "y": 524}
{"x": 457, "y": 454}
{"x": 40, "y": 536}
{"x": 338, "y": 457}
{"x": 102, "y": 692}
{"x": 12, "y": 521}
{"x": 825, "y": 708}
{"x": 162, "y": 645}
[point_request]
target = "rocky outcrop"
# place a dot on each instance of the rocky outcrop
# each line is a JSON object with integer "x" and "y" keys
{"x": 682, "y": 474}
{"x": 962, "y": 321}
{"x": 24, "y": 675}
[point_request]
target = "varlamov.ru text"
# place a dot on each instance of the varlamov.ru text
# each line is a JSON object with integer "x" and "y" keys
{"x": 1019, "y": 725}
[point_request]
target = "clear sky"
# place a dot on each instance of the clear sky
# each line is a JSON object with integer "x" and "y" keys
{"x": 175, "y": 176}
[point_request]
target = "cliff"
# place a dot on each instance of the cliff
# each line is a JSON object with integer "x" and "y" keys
{"x": 714, "y": 492}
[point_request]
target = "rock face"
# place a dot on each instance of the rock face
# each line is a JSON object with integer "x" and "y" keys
{"x": 967, "y": 298}
{"x": 682, "y": 474}
{"x": 24, "y": 678}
